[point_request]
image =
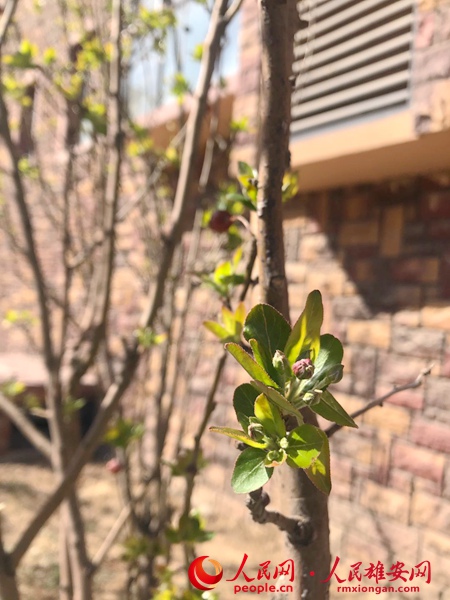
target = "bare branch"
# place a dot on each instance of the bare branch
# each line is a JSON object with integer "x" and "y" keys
{"x": 209, "y": 409}
{"x": 232, "y": 11}
{"x": 379, "y": 401}
{"x": 97, "y": 309}
{"x": 22, "y": 422}
{"x": 23, "y": 208}
{"x": 110, "y": 538}
{"x": 8, "y": 583}
{"x": 131, "y": 361}
{"x": 6, "y": 19}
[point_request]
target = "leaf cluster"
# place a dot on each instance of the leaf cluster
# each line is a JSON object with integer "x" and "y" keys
{"x": 275, "y": 393}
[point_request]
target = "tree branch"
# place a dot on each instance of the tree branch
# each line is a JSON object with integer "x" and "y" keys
{"x": 6, "y": 19}
{"x": 131, "y": 360}
{"x": 110, "y": 538}
{"x": 22, "y": 423}
{"x": 95, "y": 318}
{"x": 379, "y": 401}
{"x": 299, "y": 531}
{"x": 22, "y": 205}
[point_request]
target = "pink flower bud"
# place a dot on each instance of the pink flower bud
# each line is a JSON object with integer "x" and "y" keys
{"x": 303, "y": 368}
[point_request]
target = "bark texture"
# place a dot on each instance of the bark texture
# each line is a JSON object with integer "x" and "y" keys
{"x": 279, "y": 21}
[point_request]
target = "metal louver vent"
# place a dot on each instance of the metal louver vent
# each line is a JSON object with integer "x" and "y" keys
{"x": 352, "y": 59}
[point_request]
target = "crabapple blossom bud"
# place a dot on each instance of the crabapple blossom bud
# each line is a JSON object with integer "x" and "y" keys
{"x": 303, "y": 368}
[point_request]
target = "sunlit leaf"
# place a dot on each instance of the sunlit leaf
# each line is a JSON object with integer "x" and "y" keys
{"x": 250, "y": 472}
{"x": 305, "y": 335}
{"x": 240, "y": 436}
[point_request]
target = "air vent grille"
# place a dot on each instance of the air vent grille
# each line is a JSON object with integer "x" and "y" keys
{"x": 352, "y": 58}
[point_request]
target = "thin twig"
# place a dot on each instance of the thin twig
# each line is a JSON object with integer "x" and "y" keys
{"x": 22, "y": 423}
{"x": 156, "y": 297}
{"x": 379, "y": 401}
{"x": 109, "y": 540}
{"x": 6, "y": 19}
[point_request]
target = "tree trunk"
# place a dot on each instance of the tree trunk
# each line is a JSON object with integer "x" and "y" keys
{"x": 8, "y": 582}
{"x": 279, "y": 22}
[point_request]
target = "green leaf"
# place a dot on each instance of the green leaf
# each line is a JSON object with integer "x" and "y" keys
{"x": 330, "y": 409}
{"x": 240, "y": 436}
{"x": 267, "y": 331}
{"x": 268, "y": 327}
{"x": 217, "y": 329}
{"x": 180, "y": 85}
{"x": 321, "y": 380}
{"x": 319, "y": 471}
{"x": 244, "y": 402}
{"x": 197, "y": 52}
{"x": 250, "y": 472}
{"x": 245, "y": 169}
{"x": 304, "y": 446}
{"x": 269, "y": 417}
{"x": 277, "y": 399}
{"x": 330, "y": 353}
{"x": 13, "y": 388}
{"x": 49, "y": 56}
{"x": 261, "y": 355}
{"x": 123, "y": 432}
{"x": 305, "y": 334}
{"x": 247, "y": 362}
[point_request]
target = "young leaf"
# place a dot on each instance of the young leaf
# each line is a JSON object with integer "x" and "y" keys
{"x": 319, "y": 471}
{"x": 261, "y": 355}
{"x": 240, "y": 436}
{"x": 305, "y": 445}
{"x": 250, "y": 472}
{"x": 247, "y": 362}
{"x": 330, "y": 409}
{"x": 244, "y": 403}
{"x": 331, "y": 352}
{"x": 269, "y": 417}
{"x": 217, "y": 329}
{"x": 305, "y": 334}
{"x": 321, "y": 380}
{"x": 245, "y": 169}
{"x": 268, "y": 327}
{"x": 228, "y": 318}
{"x": 277, "y": 399}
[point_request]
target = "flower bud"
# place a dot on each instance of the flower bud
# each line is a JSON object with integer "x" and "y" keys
{"x": 220, "y": 221}
{"x": 303, "y": 368}
{"x": 274, "y": 458}
{"x": 256, "y": 431}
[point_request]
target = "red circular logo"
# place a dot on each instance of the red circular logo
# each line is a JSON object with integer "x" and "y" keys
{"x": 199, "y": 578}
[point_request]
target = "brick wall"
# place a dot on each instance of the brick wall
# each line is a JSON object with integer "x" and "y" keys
{"x": 431, "y": 66}
{"x": 380, "y": 256}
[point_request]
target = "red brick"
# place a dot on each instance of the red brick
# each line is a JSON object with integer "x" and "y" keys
{"x": 425, "y": 30}
{"x": 421, "y": 462}
{"x": 436, "y": 205}
{"x": 418, "y": 341}
{"x": 439, "y": 229}
{"x": 430, "y": 511}
{"x": 437, "y": 392}
{"x": 393, "y": 368}
{"x": 399, "y": 480}
{"x": 380, "y": 499}
{"x": 412, "y": 270}
{"x": 445, "y": 276}
{"x": 430, "y": 434}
